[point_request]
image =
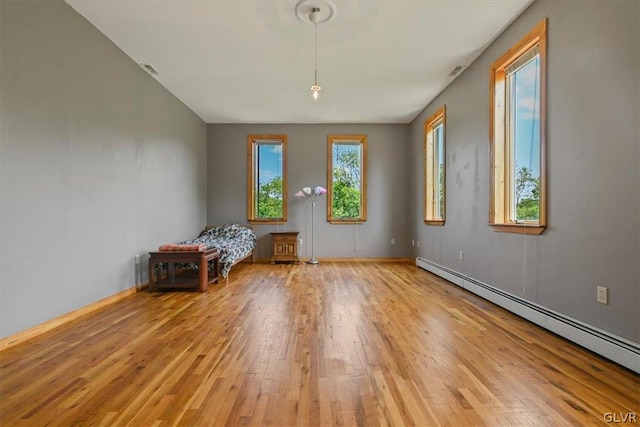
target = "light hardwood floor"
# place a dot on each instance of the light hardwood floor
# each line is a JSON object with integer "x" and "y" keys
{"x": 342, "y": 343}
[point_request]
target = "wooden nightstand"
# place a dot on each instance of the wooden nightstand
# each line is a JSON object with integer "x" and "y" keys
{"x": 285, "y": 246}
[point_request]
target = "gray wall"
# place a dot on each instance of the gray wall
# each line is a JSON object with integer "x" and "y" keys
{"x": 593, "y": 144}
{"x": 98, "y": 163}
{"x": 387, "y": 196}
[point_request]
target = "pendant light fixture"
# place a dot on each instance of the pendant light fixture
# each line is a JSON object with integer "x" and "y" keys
{"x": 313, "y": 17}
{"x": 315, "y": 12}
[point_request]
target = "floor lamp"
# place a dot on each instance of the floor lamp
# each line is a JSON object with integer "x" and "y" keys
{"x": 307, "y": 193}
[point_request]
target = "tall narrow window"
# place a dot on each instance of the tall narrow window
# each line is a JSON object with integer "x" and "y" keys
{"x": 517, "y": 136}
{"x": 434, "y": 168}
{"x": 347, "y": 178}
{"x": 267, "y": 178}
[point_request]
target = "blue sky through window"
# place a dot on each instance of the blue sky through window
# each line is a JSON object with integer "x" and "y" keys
{"x": 526, "y": 81}
{"x": 269, "y": 162}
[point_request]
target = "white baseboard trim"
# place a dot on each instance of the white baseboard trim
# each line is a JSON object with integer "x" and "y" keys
{"x": 606, "y": 344}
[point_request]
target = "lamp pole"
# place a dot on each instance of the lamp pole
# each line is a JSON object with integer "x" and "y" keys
{"x": 313, "y": 259}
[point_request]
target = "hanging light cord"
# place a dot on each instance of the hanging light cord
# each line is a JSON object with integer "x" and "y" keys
{"x": 313, "y": 17}
{"x": 315, "y": 57}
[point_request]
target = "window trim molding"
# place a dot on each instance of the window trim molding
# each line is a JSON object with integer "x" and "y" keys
{"x": 499, "y": 180}
{"x": 362, "y": 140}
{"x": 440, "y": 115}
{"x": 251, "y": 141}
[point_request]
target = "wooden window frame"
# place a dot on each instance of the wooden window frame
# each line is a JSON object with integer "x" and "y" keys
{"x": 252, "y": 140}
{"x": 336, "y": 139}
{"x": 436, "y": 119}
{"x": 499, "y": 146}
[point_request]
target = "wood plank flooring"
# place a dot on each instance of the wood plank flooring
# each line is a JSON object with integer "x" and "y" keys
{"x": 342, "y": 343}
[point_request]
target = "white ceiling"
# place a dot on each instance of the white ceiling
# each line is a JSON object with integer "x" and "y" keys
{"x": 251, "y": 61}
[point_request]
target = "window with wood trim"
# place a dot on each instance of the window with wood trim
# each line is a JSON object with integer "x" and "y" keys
{"x": 347, "y": 179}
{"x": 517, "y": 136}
{"x": 267, "y": 178}
{"x": 434, "y": 168}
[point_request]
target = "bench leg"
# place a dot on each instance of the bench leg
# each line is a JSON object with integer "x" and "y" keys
{"x": 212, "y": 276}
{"x": 203, "y": 273}
{"x": 151, "y": 271}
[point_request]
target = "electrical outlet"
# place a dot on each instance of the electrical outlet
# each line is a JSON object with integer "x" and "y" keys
{"x": 393, "y": 241}
{"x": 461, "y": 255}
{"x": 418, "y": 243}
{"x": 137, "y": 258}
{"x": 602, "y": 295}
{"x": 300, "y": 241}
{"x": 413, "y": 243}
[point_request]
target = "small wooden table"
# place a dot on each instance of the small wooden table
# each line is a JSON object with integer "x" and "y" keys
{"x": 285, "y": 246}
{"x": 188, "y": 279}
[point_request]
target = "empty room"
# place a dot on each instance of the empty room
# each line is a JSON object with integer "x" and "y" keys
{"x": 319, "y": 212}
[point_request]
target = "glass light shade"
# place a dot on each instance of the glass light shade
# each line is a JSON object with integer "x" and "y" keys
{"x": 315, "y": 91}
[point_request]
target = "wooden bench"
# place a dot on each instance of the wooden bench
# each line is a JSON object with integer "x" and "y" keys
{"x": 187, "y": 279}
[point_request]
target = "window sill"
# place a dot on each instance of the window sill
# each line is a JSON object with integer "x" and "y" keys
{"x": 434, "y": 221}
{"x": 346, "y": 221}
{"x": 518, "y": 228}
{"x": 267, "y": 221}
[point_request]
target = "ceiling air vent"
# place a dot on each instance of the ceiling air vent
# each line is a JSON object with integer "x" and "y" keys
{"x": 456, "y": 70}
{"x": 150, "y": 69}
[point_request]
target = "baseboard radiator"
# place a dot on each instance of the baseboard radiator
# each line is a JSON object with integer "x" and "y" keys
{"x": 615, "y": 348}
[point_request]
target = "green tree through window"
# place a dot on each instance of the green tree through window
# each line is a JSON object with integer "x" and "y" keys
{"x": 269, "y": 204}
{"x": 527, "y": 195}
{"x": 346, "y": 182}
{"x": 347, "y": 201}
{"x": 267, "y": 178}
